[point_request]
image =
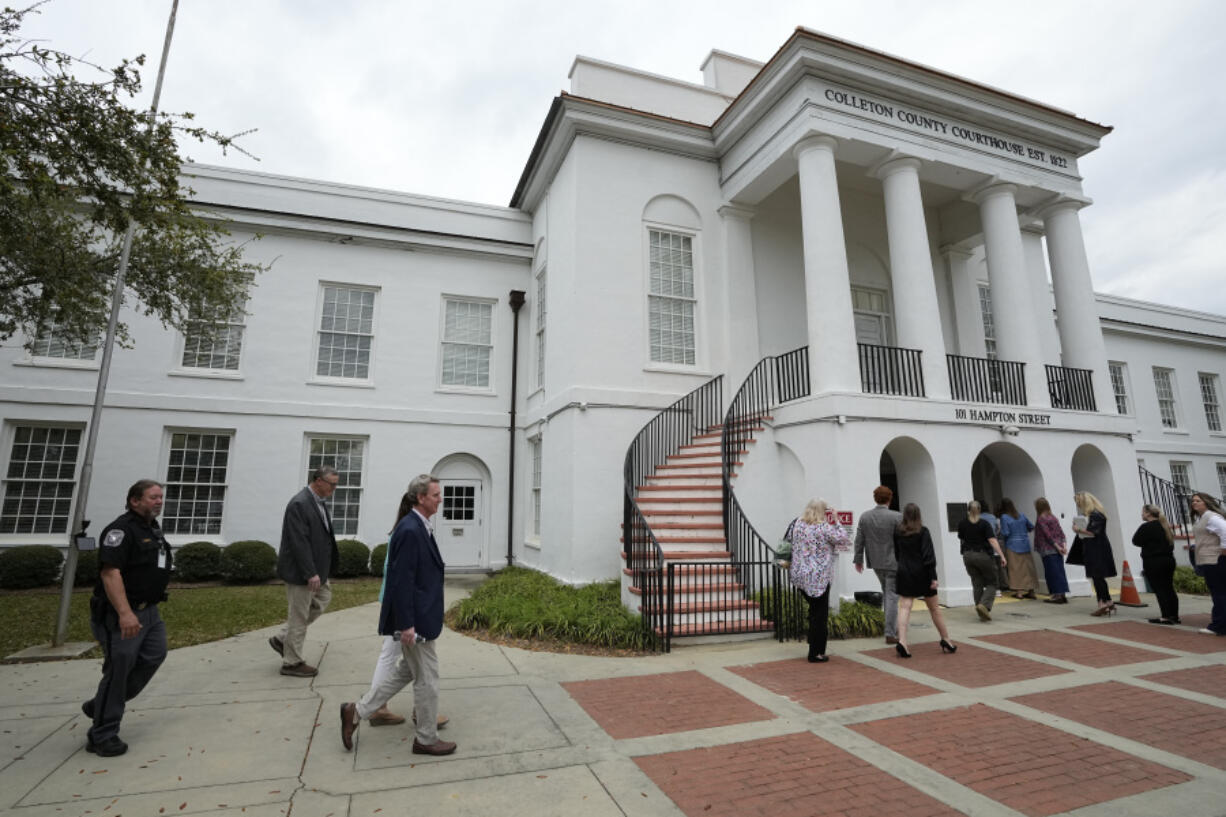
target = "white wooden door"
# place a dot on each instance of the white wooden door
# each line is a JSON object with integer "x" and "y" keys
{"x": 459, "y": 528}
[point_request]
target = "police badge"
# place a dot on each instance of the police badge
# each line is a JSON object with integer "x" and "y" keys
{"x": 114, "y": 538}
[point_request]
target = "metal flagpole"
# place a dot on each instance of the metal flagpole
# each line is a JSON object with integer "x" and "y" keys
{"x": 87, "y": 465}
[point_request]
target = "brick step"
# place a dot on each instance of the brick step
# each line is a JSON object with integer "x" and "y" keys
{"x": 679, "y": 465}
{"x": 712, "y": 487}
{"x": 687, "y": 572}
{"x": 687, "y": 526}
{"x": 690, "y": 608}
{"x": 657, "y": 500}
{"x": 717, "y": 628}
{"x": 687, "y": 588}
{"x": 691, "y": 478}
{"x": 688, "y": 555}
{"x": 685, "y": 540}
{"x": 701, "y": 519}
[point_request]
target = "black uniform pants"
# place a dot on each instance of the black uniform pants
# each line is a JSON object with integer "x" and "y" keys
{"x": 127, "y": 665}
{"x": 819, "y": 614}
{"x": 1160, "y": 573}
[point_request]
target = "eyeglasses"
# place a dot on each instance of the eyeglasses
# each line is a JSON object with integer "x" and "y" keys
{"x": 332, "y": 482}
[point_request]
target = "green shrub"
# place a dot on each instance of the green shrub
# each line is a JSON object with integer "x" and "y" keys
{"x": 198, "y": 562}
{"x": 248, "y": 562}
{"x": 29, "y": 566}
{"x": 87, "y": 568}
{"x": 855, "y": 619}
{"x": 354, "y": 557}
{"x": 377, "y": 557}
{"x": 1186, "y": 581}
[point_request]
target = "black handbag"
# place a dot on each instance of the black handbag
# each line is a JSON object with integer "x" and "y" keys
{"x": 1076, "y": 552}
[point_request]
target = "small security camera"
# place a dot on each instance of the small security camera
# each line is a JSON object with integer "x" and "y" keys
{"x": 1010, "y": 431}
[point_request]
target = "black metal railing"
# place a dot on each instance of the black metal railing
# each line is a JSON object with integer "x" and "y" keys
{"x": 705, "y": 598}
{"x": 775, "y": 380}
{"x": 1071, "y": 388}
{"x": 695, "y": 413}
{"x": 986, "y": 380}
{"x": 890, "y": 370}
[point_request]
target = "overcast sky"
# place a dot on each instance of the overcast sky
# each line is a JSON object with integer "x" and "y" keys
{"x": 446, "y": 98}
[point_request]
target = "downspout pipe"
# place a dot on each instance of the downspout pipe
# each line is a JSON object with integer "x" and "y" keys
{"x": 517, "y": 302}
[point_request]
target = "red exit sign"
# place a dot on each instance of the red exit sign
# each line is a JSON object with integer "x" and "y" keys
{"x": 842, "y": 517}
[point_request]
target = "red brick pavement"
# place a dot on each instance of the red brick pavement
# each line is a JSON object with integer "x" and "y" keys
{"x": 645, "y": 705}
{"x": 1036, "y": 770}
{"x": 825, "y": 687}
{"x": 1173, "y": 638}
{"x": 970, "y": 666}
{"x": 1195, "y": 620}
{"x": 1182, "y": 727}
{"x": 1205, "y": 680}
{"x": 794, "y": 775}
{"x": 1089, "y": 652}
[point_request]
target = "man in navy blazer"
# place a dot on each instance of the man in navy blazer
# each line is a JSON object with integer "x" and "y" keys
{"x": 412, "y": 611}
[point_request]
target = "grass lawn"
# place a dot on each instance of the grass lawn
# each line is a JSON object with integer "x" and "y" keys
{"x": 194, "y": 615}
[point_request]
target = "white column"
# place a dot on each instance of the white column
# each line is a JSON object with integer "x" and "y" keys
{"x": 1040, "y": 290}
{"x": 1081, "y": 335}
{"x": 1012, "y": 306}
{"x": 742, "y": 349}
{"x": 917, "y": 317}
{"x": 965, "y": 288}
{"x": 833, "y": 361}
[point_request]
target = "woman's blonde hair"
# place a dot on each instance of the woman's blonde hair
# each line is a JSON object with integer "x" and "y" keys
{"x": 972, "y": 510}
{"x": 1156, "y": 513}
{"x": 1087, "y": 503}
{"x": 815, "y": 512}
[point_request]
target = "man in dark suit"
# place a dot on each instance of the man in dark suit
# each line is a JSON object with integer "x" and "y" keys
{"x": 413, "y": 612}
{"x": 307, "y": 558}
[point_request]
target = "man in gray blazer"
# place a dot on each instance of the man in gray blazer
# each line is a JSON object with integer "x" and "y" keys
{"x": 307, "y": 558}
{"x": 875, "y": 545}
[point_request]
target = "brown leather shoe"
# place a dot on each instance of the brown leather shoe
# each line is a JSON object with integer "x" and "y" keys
{"x": 300, "y": 670}
{"x": 442, "y": 721}
{"x": 386, "y": 719}
{"x": 442, "y": 747}
{"x": 349, "y": 724}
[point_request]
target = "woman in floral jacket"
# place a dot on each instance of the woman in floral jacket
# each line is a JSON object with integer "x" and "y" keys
{"x": 814, "y": 545}
{"x": 1049, "y": 543}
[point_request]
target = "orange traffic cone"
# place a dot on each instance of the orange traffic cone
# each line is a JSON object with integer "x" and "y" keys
{"x": 1128, "y": 591}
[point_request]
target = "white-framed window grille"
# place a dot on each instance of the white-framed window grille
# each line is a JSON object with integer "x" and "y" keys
{"x": 671, "y": 300}
{"x": 540, "y": 328}
{"x": 1119, "y": 386}
{"x": 1221, "y": 479}
{"x": 1164, "y": 387}
{"x": 346, "y": 332}
{"x": 989, "y": 323}
{"x": 215, "y": 345}
{"x": 51, "y": 343}
{"x": 459, "y": 503}
{"x": 1209, "y": 396}
{"x": 348, "y": 456}
{"x": 467, "y": 344}
{"x": 39, "y": 479}
{"x": 536, "y": 487}
{"x": 196, "y": 471}
{"x": 1181, "y": 476}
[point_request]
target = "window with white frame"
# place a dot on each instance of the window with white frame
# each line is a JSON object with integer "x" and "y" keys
{"x": 672, "y": 299}
{"x": 1119, "y": 385}
{"x": 468, "y": 327}
{"x": 50, "y": 342}
{"x": 217, "y": 344}
{"x": 1221, "y": 479}
{"x": 540, "y": 329}
{"x": 39, "y": 479}
{"x": 347, "y": 455}
{"x": 196, "y": 482}
{"x": 536, "y": 487}
{"x": 346, "y": 332}
{"x": 1180, "y": 476}
{"x": 1164, "y": 387}
{"x": 989, "y": 323}
{"x": 1208, "y": 395}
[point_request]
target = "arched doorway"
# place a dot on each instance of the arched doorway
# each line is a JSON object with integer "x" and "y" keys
{"x": 912, "y": 478}
{"x": 1005, "y": 470}
{"x": 1091, "y": 472}
{"x": 461, "y": 526}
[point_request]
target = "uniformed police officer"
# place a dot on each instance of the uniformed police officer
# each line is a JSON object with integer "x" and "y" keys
{"x": 134, "y": 563}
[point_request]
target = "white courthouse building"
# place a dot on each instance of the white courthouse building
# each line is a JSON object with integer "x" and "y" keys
{"x": 916, "y": 232}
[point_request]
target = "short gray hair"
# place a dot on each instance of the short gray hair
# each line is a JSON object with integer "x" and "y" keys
{"x": 323, "y": 471}
{"x": 420, "y": 484}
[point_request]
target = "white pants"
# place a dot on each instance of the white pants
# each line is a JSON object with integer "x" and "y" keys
{"x": 388, "y": 656}
{"x": 417, "y": 663}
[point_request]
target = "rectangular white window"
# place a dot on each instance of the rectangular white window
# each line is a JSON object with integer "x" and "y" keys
{"x": 346, "y": 332}
{"x": 1180, "y": 476}
{"x": 989, "y": 323}
{"x": 50, "y": 342}
{"x": 1119, "y": 385}
{"x": 536, "y": 487}
{"x": 671, "y": 302}
{"x": 1165, "y": 388}
{"x": 467, "y": 343}
{"x": 196, "y": 482}
{"x": 39, "y": 480}
{"x": 346, "y": 455}
{"x": 215, "y": 344}
{"x": 1221, "y": 479}
{"x": 540, "y": 329}
{"x": 459, "y": 503}
{"x": 1208, "y": 395}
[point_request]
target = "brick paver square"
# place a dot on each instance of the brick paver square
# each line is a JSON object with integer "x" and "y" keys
{"x": 1195, "y": 619}
{"x": 788, "y": 776}
{"x": 970, "y": 666}
{"x": 1089, "y": 652}
{"x": 838, "y": 684}
{"x": 1205, "y": 680}
{"x": 1036, "y": 770}
{"x": 1186, "y": 728}
{"x": 1157, "y": 635}
{"x": 644, "y": 705}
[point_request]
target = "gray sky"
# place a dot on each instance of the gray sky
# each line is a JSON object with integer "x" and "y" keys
{"x": 445, "y": 99}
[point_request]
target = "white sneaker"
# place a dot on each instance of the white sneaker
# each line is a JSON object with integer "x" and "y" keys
{"x": 1206, "y": 631}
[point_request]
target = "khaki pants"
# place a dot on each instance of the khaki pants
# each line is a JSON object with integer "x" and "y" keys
{"x": 418, "y": 663}
{"x": 304, "y": 608}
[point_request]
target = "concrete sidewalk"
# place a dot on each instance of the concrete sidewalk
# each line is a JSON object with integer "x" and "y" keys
{"x": 1045, "y": 710}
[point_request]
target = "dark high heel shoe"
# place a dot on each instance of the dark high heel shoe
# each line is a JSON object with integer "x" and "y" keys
{"x": 1105, "y": 610}
{"x": 902, "y": 651}
{"x": 947, "y": 647}
{"x": 818, "y": 659}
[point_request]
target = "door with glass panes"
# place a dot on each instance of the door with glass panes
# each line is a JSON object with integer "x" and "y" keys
{"x": 458, "y": 526}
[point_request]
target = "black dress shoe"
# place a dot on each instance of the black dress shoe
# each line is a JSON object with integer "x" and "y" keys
{"x": 88, "y": 708}
{"x": 818, "y": 659}
{"x": 111, "y": 747}
{"x": 278, "y": 646}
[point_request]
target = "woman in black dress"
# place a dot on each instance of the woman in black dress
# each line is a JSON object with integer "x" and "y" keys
{"x": 916, "y": 577}
{"x": 1157, "y": 544}
{"x": 1099, "y": 560}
